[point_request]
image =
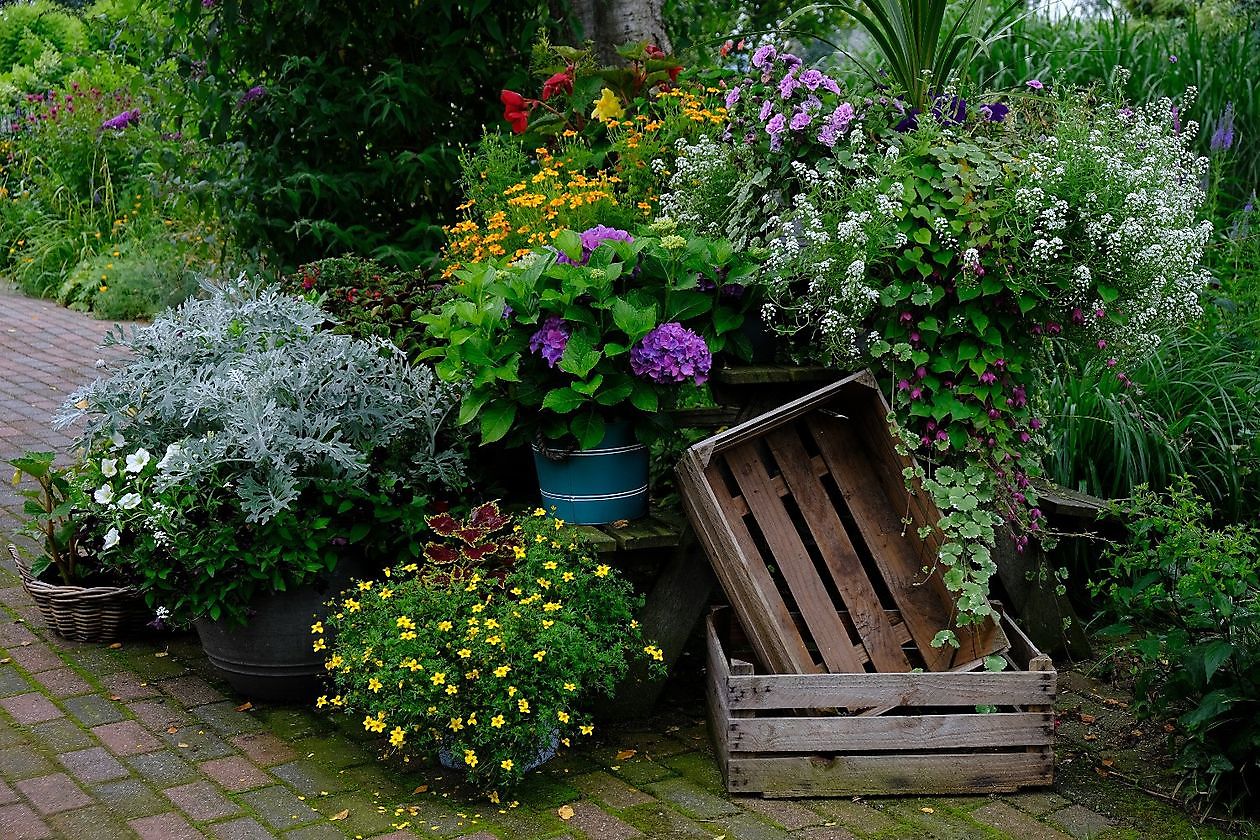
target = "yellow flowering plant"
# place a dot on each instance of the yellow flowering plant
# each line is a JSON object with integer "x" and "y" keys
{"x": 490, "y": 670}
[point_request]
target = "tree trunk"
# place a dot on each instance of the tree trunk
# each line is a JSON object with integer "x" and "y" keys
{"x": 611, "y": 23}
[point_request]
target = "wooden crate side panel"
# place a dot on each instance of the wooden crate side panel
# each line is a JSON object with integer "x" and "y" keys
{"x": 792, "y": 559}
{"x": 871, "y": 775}
{"x": 882, "y": 642}
{"x": 890, "y": 732}
{"x": 863, "y": 691}
{"x": 778, "y": 644}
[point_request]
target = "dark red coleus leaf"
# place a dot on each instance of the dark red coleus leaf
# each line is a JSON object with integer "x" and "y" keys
{"x": 479, "y": 552}
{"x": 488, "y": 516}
{"x": 440, "y": 554}
{"x": 444, "y": 525}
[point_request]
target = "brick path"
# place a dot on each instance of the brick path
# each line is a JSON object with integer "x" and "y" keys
{"x": 143, "y": 740}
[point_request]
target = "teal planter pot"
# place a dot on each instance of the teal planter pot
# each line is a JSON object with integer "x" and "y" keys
{"x": 600, "y": 485}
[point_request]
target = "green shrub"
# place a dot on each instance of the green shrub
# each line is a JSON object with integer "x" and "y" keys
{"x": 1192, "y": 593}
{"x": 39, "y": 45}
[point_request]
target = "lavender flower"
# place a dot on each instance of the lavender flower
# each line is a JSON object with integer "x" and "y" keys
{"x": 1223, "y": 136}
{"x": 121, "y": 121}
{"x": 672, "y": 353}
{"x": 551, "y": 339}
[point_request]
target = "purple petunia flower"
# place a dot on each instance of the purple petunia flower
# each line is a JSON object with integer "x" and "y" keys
{"x": 1035, "y": 84}
{"x": 789, "y": 84}
{"x": 836, "y": 125}
{"x": 950, "y": 112}
{"x": 766, "y": 108}
{"x": 551, "y": 339}
{"x": 732, "y": 97}
{"x": 995, "y": 111}
{"x": 1172, "y": 59}
{"x": 775, "y": 129}
{"x": 811, "y": 79}
{"x": 121, "y": 121}
{"x": 799, "y": 120}
{"x": 764, "y": 57}
{"x": 1223, "y": 135}
{"x": 672, "y": 353}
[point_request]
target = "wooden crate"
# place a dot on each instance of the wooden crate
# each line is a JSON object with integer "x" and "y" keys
{"x": 786, "y": 735}
{"x": 805, "y": 510}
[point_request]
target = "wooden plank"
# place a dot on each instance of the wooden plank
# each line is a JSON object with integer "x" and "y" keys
{"x": 862, "y": 691}
{"x": 601, "y": 542}
{"x": 793, "y": 560}
{"x": 940, "y": 773}
{"x": 751, "y": 429}
{"x": 651, "y": 532}
{"x": 890, "y": 732}
{"x": 746, "y": 581}
{"x": 774, "y": 374}
{"x": 873, "y": 627}
{"x": 922, "y": 608}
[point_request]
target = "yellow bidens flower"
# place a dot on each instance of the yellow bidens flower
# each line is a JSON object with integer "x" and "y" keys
{"x": 438, "y": 678}
{"x": 396, "y": 736}
{"x": 586, "y": 730}
{"x": 351, "y": 605}
{"x": 550, "y": 565}
{"x": 470, "y": 758}
{"x": 607, "y": 107}
{"x": 539, "y": 512}
{"x": 538, "y": 655}
{"x": 519, "y": 552}
{"x": 405, "y": 623}
{"x": 317, "y": 627}
{"x": 456, "y": 724}
{"x": 497, "y": 721}
{"x": 602, "y": 570}
{"x": 655, "y": 652}
{"x": 319, "y": 645}
{"x": 335, "y": 662}
{"x": 365, "y": 585}
{"x": 502, "y": 670}
{"x": 374, "y": 685}
{"x": 570, "y": 686}
{"x": 375, "y": 724}
{"x": 506, "y": 764}
{"x": 444, "y": 625}
{"x": 322, "y": 701}
{"x": 563, "y": 716}
{"x": 523, "y": 706}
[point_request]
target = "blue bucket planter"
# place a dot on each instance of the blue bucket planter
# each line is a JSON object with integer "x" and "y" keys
{"x": 599, "y": 485}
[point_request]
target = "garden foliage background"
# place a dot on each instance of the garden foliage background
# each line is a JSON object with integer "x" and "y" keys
{"x": 146, "y": 144}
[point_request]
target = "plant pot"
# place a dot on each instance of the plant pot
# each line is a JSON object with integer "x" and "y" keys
{"x": 271, "y": 657}
{"x": 596, "y": 486}
{"x": 84, "y": 613}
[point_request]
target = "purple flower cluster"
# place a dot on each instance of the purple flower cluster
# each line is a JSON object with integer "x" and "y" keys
{"x": 551, "y": 339}
{"x": 591, "y": 239}
{"x": 793, "y": 103}
{"x": 122, "y": 120}
{"x": 672, "y": 353}
{"x": 1223, "y": 135}
{"x": 256, "y": 92}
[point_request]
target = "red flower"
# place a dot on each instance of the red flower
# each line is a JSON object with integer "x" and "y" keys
{"x": 515, "y": 110}
{"x": 654, "y": 51}
{"x": 562, "y": 81}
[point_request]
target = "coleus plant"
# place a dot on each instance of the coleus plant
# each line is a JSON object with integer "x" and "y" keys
{"x": 477, "y": 540}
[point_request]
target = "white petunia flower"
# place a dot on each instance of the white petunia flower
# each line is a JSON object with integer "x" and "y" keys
{"x": 138, "y": 460}
{"x": 104, "y": 494}
{"x": 173, "y": 451}
{"x": 129, "y": 501}
{"x": 111, "y": 539}
{"x": 109, "y": 467}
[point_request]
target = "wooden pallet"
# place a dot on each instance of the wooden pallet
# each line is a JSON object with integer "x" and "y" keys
{"x": 805, "y": 510}
{"x": 785, "y": 735}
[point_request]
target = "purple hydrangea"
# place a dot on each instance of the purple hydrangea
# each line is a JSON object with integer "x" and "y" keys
{"x": 672, "y": 353}
{"x": 551, "y": 339}
{"x": 591, "y": 239}
{"x": 121, "y": 121}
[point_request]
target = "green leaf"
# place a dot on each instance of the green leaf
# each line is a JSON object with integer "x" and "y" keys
{"x": 588, "y": 429}
{"x": 496, "y": 420}
{"x": 570, "y": 244}
{"x": 632, "y": 320}
{"x": 645, "y": 398}
{"x": 563, "y": 400}
{"x": 580, "y": 356}
{"x": 725, "y": 320}
{"x": 34, "y": 464}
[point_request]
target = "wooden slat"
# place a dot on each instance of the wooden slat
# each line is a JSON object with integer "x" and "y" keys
{"x": 600, "y": 541}
{"x": 652, "y": 532}
{"x": 774, "y": 374}
{"x": 743, "y": 576}
{"x": 900, "y": 564}
{"x": 938, "y": 773}
{"x": 862, "y": 691}
{"x": 873, "y": 627}
{"x": 792, "y": 559}
{"x": 890, "y": 732}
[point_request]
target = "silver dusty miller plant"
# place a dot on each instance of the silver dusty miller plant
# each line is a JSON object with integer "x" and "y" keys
{"x": 242, "y": 391}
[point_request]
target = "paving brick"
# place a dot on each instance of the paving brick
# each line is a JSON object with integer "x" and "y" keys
{"x": 93, "y": 710}
{"x": 278, "y": 807}
{"x": 7, "y": 795}
{"x": 163, "y": 768}
{"x": 125, "y": 685}
{"x": 126, "y": 737}
{"x": 23, "y": 762}
{"x": 855, "y": 815}
{"x": 610, "y": 790}
{"x": 30, "y": 708}
{"x": 202, "y": 801}
{"x": 264, "y": 748}
{"x": 781, "y": 812}
{"x": 600, "y": 825}
{"x": 310, "y": 779}
{"x": 95, "y": 822}
{"x": 130, "y": 798}
{"x": 94, "y": 764}
{"x": 53, "y": 793}
{"x": 691, "y": 800}
{"x": 224, "y": 719}
{"x": 324, "y": 831}
{"x": 196, "y": 744}
{"x": 164, "y": 827}
{"x": 747, "y": 827}
{"x": 12, "y": 682}
{"x": 159, "y": 714}
{"x": 64, "y": 682}
{"x": 1016, "y": 823}
{"x": 62, "y": 735}
{"x": 1081, "y": 822}
{"x": 823, "y": 832}
{"x": 1038, "y": 804}
{"x": 245, "y": 828}
{"x": 235, "y": 773}
{"x": 36, "y": 657}
{"x": 191, "y": 691}
{"x": 18, "y": 822}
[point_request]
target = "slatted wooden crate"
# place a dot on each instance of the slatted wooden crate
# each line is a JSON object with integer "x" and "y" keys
{"x": 804, "y": 510}
{"x": 786, "y": 735}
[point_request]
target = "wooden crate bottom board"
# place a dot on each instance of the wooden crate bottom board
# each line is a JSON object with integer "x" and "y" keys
{"x": 768, "y": 742}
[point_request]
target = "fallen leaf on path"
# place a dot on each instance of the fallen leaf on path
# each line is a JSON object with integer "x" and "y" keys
{"x": 420, "y": 789}
{"x": 162, "y": 653}
{"x": 1091, "y": 737}
{"x": 340, "y": 815}
{"x": 566, "y": 812}
{"x": 1087, "y": 718}
{"x": 928, "y": 810}
{"x": 115, "y": 646}
{"x": 245, "y": 707}
{"x": 624, "y": 754}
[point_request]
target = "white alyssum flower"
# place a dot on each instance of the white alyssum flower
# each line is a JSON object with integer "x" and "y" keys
{"x": 111, "y": 539}
{"x": 109, "y": 467}
{"x": 129, "y": 501}
{"x": 104, "y": 494}
{"x": 138, "y": 460}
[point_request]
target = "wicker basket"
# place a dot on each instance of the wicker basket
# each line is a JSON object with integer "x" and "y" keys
{"x": 84, "y": 613}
